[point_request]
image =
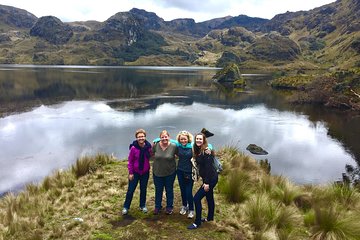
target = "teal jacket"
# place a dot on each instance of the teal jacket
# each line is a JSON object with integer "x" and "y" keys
{"x": 188, "y": 145}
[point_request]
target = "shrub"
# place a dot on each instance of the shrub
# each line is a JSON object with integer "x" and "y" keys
{"x": 285, "y": 193}
{"x": 88, "y": 164}
{"x": 236, "y": 187}
{"x": 263, "y": 214}
{"x": 330, "y": 223}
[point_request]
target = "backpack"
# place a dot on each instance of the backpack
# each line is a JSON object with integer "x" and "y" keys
{"x": 217, "y": 165}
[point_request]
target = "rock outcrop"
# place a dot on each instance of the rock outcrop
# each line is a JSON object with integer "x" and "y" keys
{"x": 16, "y": 17}
{"x": 52, "y": 30}
{"x": 229, "y": 73}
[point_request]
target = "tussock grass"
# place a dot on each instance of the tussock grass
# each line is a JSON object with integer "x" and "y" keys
{"x": 332, "y": 223}
{"x": 23, "y": 216}
{"x": 285, "y": 193}
{"x": 236, "y": 187}
{"x": 267, "y": 216}
{"x": 346, "y": 196}
{"x": 88, "y": 164}
{"x": 266, "y": 184}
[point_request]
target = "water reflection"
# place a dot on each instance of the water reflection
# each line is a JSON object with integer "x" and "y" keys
{"x": 60, "y": 133}
{"x": 85, "y": 110}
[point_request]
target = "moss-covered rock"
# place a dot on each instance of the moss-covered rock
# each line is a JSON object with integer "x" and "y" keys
{"x": 230, "y": 73}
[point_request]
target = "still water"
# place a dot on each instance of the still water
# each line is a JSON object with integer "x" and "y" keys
{"x": 68, "y": 112}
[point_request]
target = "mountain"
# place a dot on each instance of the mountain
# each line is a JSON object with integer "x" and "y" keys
{"x": 324, "y": 37}
{"x": 13, "y": 18}
{"x": 52, "y": 29}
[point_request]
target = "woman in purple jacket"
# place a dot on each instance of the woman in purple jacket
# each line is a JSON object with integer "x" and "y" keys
{"x": 139, "y": 167}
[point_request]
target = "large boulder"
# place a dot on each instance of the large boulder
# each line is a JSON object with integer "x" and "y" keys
{"x": 230, "y": 73}
{"x": 52, "y": 30}
{"x": 255, "y": 149}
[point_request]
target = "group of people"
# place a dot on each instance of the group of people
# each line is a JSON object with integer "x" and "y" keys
{"x": 191, "y": 152}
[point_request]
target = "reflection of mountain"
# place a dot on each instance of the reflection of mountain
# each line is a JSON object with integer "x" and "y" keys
{"x": 48, "y": 85}
{"x": 127, "y": 89}
{"x": 56, "y": 90}
{"x": 141, "y": 104}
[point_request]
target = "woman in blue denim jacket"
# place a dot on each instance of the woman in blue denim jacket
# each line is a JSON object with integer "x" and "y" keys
{"x": 184, "y": 143}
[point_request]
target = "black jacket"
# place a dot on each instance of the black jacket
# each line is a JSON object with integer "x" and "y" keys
{"x": 206, "y": 167}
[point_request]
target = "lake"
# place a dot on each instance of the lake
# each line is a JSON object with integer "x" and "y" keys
{"x": 51, "y": 115}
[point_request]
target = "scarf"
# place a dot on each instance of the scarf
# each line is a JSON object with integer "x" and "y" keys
{"x": 144, "y": 151}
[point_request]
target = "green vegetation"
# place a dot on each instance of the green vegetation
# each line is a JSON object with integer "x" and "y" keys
{"x": 326, "y": 37}
{"x": 85, "y": 201}
{"x": 339, "y": 89}
{"x": 292, "y": 82}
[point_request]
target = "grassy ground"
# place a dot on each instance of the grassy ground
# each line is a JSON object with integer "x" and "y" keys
{"x": 85, "y": 203}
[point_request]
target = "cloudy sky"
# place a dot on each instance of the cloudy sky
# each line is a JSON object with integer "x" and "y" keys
{"x": 80, "y": 10}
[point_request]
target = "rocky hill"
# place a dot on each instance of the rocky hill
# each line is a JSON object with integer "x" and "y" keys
{"x": 12, "y": 18}
{"x": 325, "y": 37}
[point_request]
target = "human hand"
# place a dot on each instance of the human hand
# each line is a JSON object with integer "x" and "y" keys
{"x": 207, "y": 151}
{"x": 131, "y": 177}
{"x": 206, "y": 187}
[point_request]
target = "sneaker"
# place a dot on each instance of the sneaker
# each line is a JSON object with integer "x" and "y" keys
{"x": 169, "y": 211}
{"x": 191, "y": 214}
{"x": 144, "y": 209}
{"x": 183, "y": 210}
{"x": 156, "y": 211}
{"x": 124, "y": 211}
{"x": 192, "y": 226}
{"x": 205, "y": 220}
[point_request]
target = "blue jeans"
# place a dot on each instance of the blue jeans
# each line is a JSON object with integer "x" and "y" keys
{"x": 186, "y": 186}
{"x": 143, "y": 179}
{"x": 200, "y": 194}
{"x": 168, "y": 183}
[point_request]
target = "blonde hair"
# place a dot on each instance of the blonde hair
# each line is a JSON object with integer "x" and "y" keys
{"x": 140, "y": 130}
{"x": 185, "y": 133}
{"x": 164, "y": 132}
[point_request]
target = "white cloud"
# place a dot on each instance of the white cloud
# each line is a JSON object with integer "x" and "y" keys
{"x": 76, "y": 10}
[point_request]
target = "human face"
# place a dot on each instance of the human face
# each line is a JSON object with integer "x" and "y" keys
{"x": 183, "y": 140}
{"x": 140, "y": 137}
{"x": 164, "y": 138}
{"x": 199, "y": 140}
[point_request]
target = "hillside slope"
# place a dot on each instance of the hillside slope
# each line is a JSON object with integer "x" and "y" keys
{"x": 325, "y": 37}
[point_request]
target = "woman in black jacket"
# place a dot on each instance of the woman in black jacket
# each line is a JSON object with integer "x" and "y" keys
{"x": 205, "y": 162}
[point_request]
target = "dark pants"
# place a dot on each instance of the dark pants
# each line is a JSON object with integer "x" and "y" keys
{"x": 186, "y": 186}
{"x": 143, "y": 179}
{"x": 168, "y": 183}
{"x": 200, "y": 194}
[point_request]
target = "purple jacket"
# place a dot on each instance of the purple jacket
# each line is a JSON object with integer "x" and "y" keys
{"x": 133, "y": 161}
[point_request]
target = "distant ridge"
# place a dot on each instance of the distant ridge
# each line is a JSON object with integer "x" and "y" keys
{"x": 324, "y": 37}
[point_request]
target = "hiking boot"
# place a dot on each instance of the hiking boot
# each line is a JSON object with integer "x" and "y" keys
{"x": 124, "y": 211}
{"x": 183, "y": 210}
{"x": 144, "y": 209}
{"x": 156, "y": 211}
{"x": 191, "y": 214}
{"x": 169, "y": 211}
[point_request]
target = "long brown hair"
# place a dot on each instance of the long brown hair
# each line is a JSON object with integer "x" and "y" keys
{"x": 198, "y": 150}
